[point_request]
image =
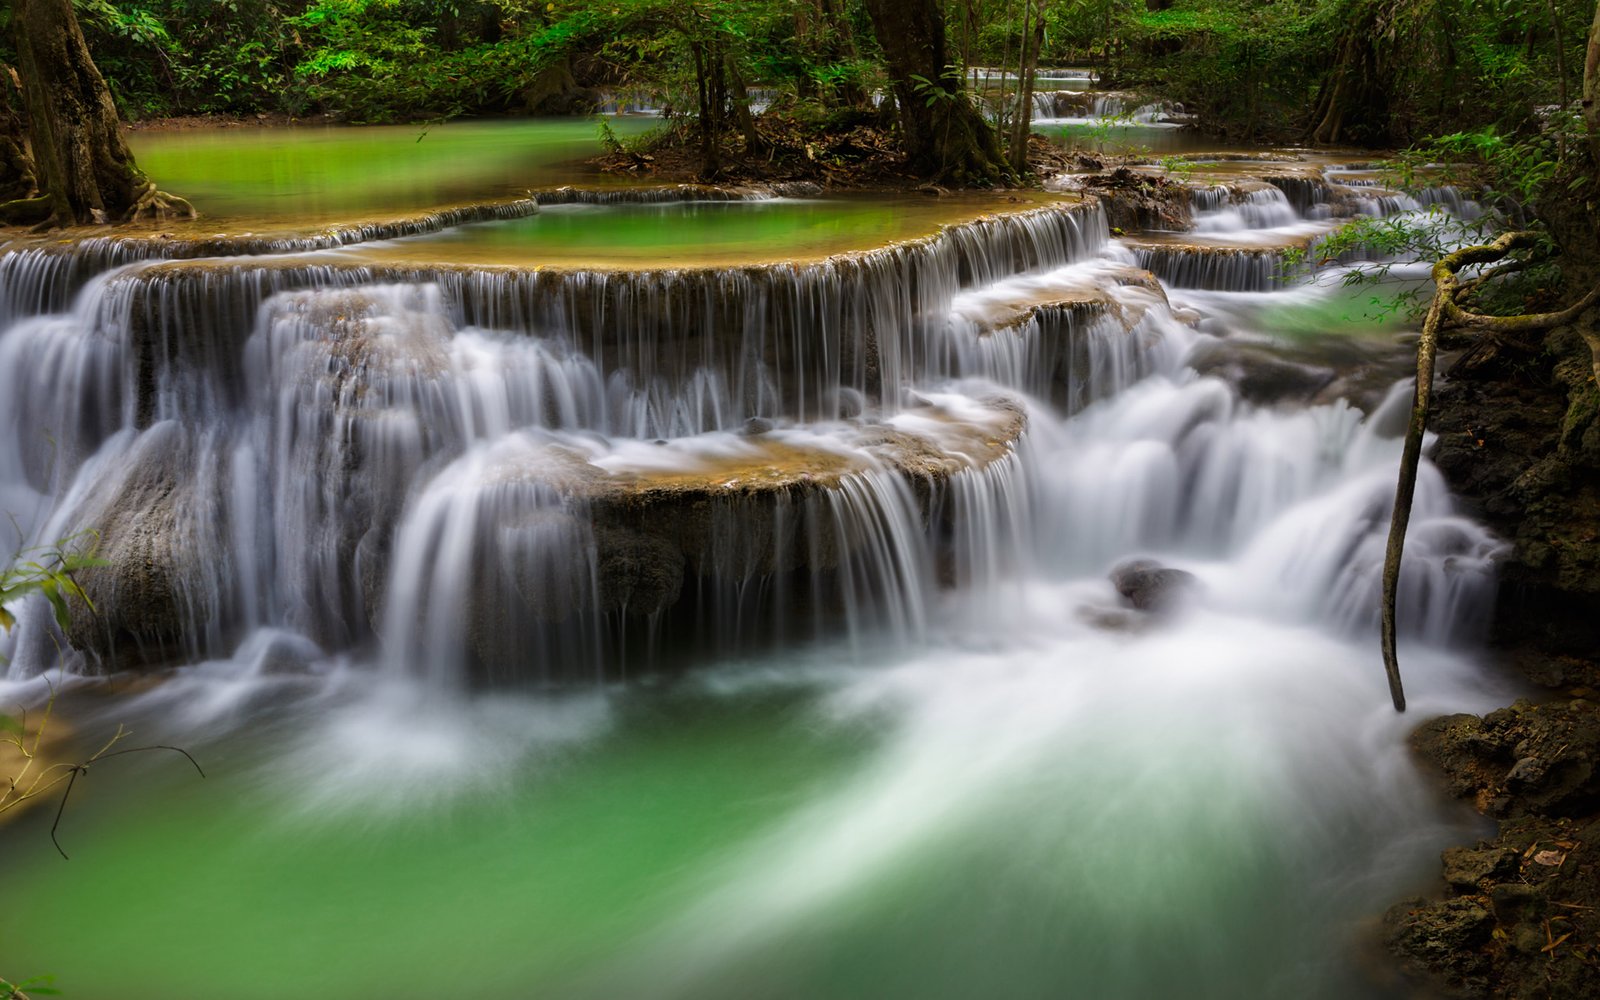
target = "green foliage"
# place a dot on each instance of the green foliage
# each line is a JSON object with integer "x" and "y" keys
{"x": 1522, "y": 168}
{"x": 50, "y": 572}
{"x": 39, "y": 986}
{"x": 1179, "y": 165}
{"x": 1263, "y": 67}
{"x": 1374, "y": 246}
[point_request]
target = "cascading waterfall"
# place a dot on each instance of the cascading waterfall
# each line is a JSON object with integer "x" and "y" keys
{"x": 308, "y": 475}
{"x": 876, "y": 495}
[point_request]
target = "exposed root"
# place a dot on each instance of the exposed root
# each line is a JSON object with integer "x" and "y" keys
{"x": 26, "y": 211}
{"x": 1446, "y": 308}
{"x": 154, "y": 204}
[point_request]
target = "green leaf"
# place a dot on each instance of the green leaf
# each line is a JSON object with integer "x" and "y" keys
{"x": 52, "y": 593}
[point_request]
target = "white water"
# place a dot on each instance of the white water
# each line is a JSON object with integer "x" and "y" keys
{"x": 370, "y": 476}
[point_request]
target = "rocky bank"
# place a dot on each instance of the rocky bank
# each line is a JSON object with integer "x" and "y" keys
{"x": 1519, "y": 914}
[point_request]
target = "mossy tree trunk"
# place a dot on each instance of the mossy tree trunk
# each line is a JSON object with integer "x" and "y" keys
{"x": 84, "y": 167}
{"x": 709, "y": 89}
{"x": 944, "y": 136}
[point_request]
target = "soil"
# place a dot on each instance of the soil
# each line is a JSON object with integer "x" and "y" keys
{"x": 187, "y": 123}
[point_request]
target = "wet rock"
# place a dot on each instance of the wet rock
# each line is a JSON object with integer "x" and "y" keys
{"x": 1515, "y": 901}
{"x": 638, "y": 573}
{"x": 1260, "y": 376}
{"x": 1539, "y": 759}
{"x": 1466, "y": 869}
{"x": 1150, "y": 586}
{"x": 1136, "y": 200}
{"x": 1538, "y": 880}
{"x": 1519, "y": 442}
{"x": 156, "y": 587}
{"x": 1442, "y": 941}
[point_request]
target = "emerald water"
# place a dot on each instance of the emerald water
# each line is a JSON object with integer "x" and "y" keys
{"x": 626, "y": 628}
{"x": 317, "y": 174}
{"x": 697, "y": 233}
{"x": 1012, "y": 822}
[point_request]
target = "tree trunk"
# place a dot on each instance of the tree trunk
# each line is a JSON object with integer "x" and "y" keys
{"x": 739, "y": 100}
{"x": 1446, "y": 307}
{"x": 1355, "y": 97}
{"x": 705, "y": 65}
{"x": 944, "y": 136}
{"x": 1022, "y": 127}
{"x": 1591, "y": 88}
{"x": 1561, "y": 73}
{"x": 17, "y": 176}
{"x": 84, "y": 166}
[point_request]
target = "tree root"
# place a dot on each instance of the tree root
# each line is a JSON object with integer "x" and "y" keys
{"x": 154, "y": 204}
{"x": 26, "y": 211}
{"x": 42, "y": 215}
{"x": 1446, "y": 307}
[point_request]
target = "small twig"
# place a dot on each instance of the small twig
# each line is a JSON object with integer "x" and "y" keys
{"x": 62, "y": 808}
{"x": 159, "y": 746}
{"x": 77, "y": 769}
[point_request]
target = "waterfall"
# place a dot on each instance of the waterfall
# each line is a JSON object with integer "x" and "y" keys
{"x": 1224, "y": 209}
{"x": 1229, "y": 269}
{"x": 515, "y": 476}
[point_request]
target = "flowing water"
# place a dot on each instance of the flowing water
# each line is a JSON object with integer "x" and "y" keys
{"x": 708, "y": 630}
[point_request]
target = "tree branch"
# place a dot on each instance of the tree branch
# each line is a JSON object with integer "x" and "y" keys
{"x": 1447, "y": 288}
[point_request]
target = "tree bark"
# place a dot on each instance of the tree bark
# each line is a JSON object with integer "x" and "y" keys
{"x": 84, "y": 166}
{"x": 944, "y": 136}
{"x": 18, "y": 178}
{"x": 739, "y": 100}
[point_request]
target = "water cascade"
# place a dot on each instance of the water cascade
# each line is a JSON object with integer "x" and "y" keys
{"x": 421, "y": 538}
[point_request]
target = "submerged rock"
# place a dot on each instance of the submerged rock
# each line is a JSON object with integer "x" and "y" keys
{"x": 1259, "y": 375}
{"x": 1150, "y": 586}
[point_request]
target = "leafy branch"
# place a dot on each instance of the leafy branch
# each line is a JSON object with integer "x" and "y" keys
{"x": 36, "y": 778}
{"x": 50, "y": 571}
